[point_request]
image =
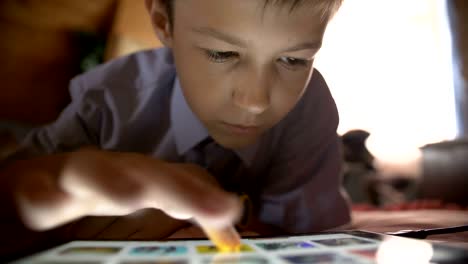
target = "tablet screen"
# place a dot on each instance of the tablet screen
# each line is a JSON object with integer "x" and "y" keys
{"x": 347, "y": 247}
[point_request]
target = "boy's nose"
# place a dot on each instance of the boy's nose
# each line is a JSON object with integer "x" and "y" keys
{"x": 253, "y": 97}
{"x": 253, "y": 100}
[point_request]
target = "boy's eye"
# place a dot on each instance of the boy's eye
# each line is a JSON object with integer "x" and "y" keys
{"x": 221, "y": 56}
{"x": 293, "y": 62}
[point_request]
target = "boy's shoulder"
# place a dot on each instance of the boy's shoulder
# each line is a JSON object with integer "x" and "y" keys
{"x": 317, "y": 100}
{"x": 137, "y": 71}
{"x": 314, "y": 115}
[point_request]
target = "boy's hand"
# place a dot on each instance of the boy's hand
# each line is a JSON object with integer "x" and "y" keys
{"x": 144, "y": 224}
{"x": 93, "y": 182}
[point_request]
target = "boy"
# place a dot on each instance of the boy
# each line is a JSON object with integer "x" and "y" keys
{"x": 235, "y": 84}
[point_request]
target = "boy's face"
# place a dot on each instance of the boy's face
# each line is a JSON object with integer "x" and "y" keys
{"x": 243, "y": 65}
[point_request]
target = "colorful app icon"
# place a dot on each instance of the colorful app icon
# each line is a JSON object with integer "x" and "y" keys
{"x": 159, "y": 250}
{"x": 211, "y": 249}
{"x": 155, "y": 262}
{"x": 273, "y": 246}
{"x": 340, "y": 242}
{"x": 322, "y": 258}
{"x": 90, "y": 251}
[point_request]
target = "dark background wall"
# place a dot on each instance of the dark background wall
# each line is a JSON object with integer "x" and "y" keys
{"x": 40, "y": 50}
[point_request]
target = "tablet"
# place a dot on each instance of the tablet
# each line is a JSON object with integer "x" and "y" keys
{"x": 336, "y": 247}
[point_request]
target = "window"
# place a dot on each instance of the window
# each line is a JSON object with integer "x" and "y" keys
{"x": 388, "y": 65}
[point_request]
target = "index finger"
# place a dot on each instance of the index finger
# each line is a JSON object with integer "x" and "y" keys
{"x": 226, "y": 239}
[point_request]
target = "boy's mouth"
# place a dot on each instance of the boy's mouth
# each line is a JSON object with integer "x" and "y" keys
{"x": 240, "y": 129}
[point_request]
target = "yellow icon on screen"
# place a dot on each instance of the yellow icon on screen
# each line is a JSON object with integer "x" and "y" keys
{"x": 212, "y": 249}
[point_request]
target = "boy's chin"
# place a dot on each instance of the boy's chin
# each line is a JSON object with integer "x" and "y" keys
{"x": 235, "y": 142}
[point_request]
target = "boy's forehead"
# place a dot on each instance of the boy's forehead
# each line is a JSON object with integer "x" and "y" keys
{"x": 290, "y": 5}
{"x": 263, "y": 15}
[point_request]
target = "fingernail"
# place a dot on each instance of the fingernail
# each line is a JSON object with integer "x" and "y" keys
{"x": 226, "y": 239}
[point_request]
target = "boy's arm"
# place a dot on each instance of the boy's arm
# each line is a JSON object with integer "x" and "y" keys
{"x": 144, "y": 224}
{"x": 51, "y": 190}
{"x": 80, "y": 124}
{"x": 100, "y": 114}
{"x": 17, "y": 239}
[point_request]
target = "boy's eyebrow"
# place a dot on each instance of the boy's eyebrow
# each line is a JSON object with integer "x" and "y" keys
{"x": 306, "y": 45}
{"x": 238, "y": 42}
{"x": 220, "y": 35}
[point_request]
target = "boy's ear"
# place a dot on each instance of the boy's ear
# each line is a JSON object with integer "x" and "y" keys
{"x": 160, "y": 21}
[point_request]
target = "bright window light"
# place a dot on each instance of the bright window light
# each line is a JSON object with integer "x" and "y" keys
{"x": 388, "y": 65}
